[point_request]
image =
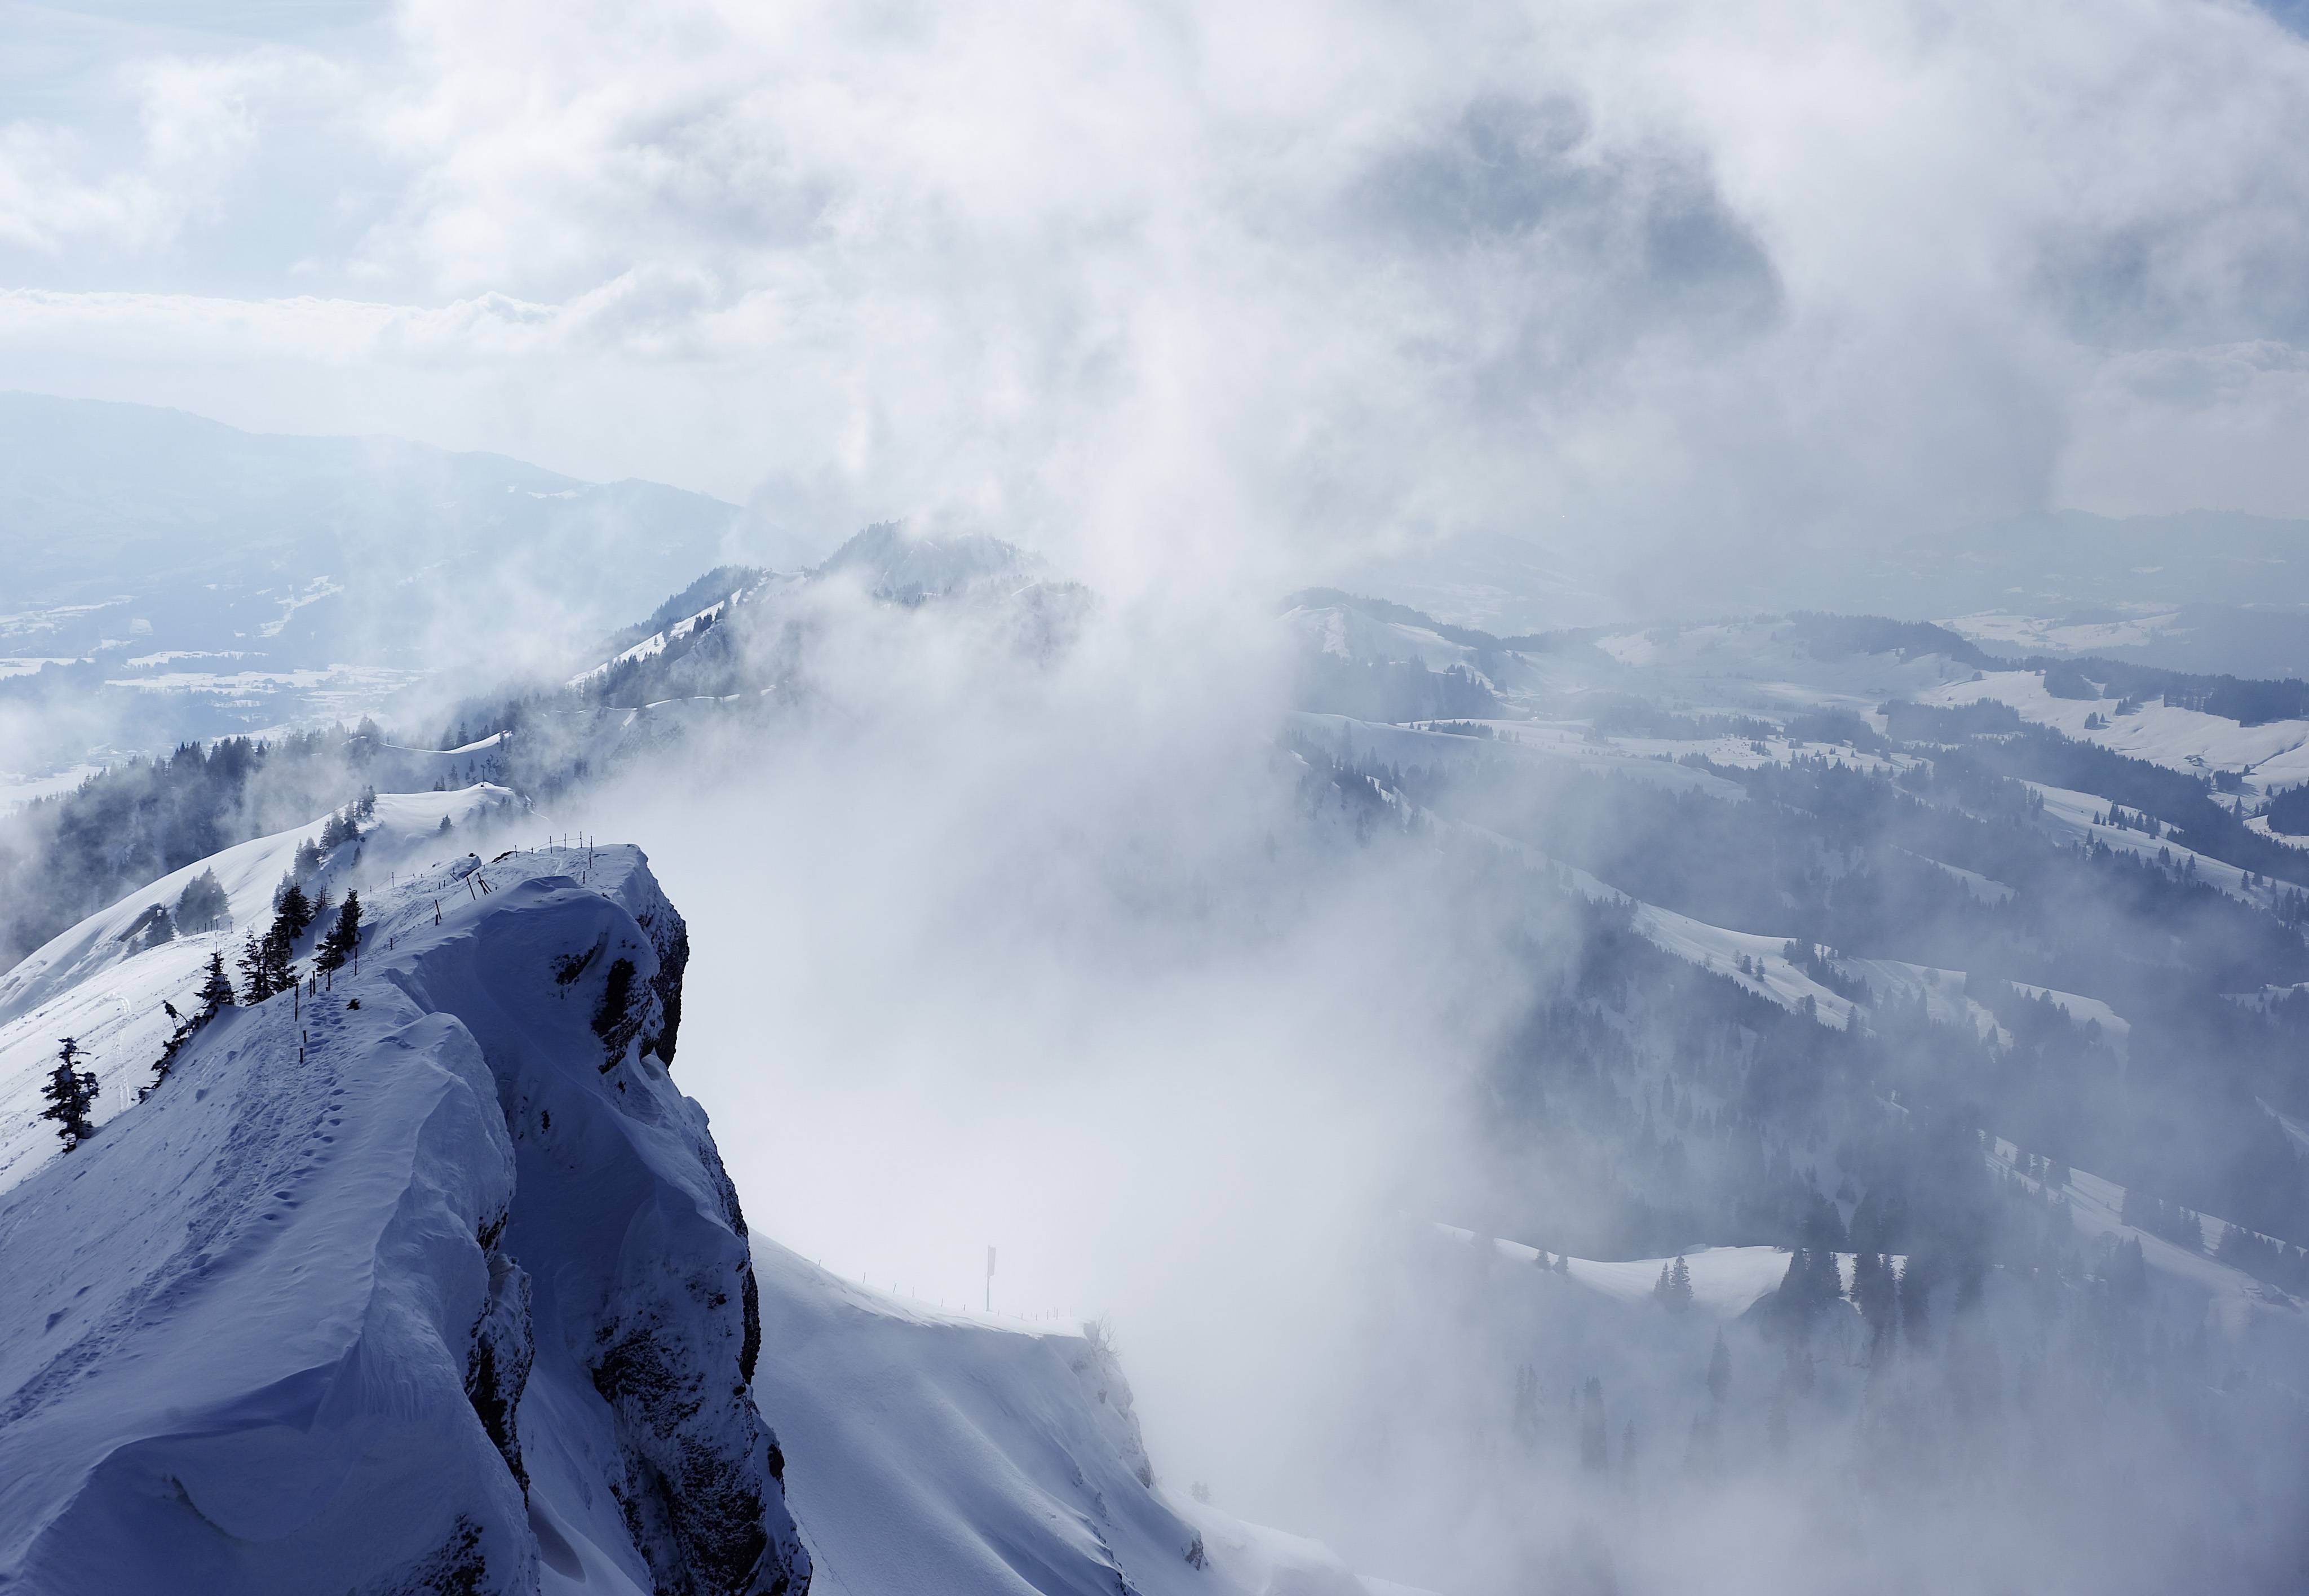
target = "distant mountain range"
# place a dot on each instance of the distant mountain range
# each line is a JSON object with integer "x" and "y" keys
{"x": 2207, "y": 591}
{"x": 128, "y": 532}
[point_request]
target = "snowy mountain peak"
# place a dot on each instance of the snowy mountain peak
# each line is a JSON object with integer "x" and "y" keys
{"x": 895, "y": 564}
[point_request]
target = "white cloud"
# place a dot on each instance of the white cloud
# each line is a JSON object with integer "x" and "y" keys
{"x": 2167, "y": 430}
{"x": 197, "y": 122}
{"x": 1205, "y": 286}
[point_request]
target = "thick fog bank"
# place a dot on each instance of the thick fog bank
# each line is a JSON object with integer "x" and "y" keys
{"x": 1074, "y": 960}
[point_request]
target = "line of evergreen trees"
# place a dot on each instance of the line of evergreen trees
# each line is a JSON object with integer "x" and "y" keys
{"x": 64, "y": 858}
{"x": 214, "y": 997}
{"x": 2182, "y": 1226}
{"x": 267, "y": 964}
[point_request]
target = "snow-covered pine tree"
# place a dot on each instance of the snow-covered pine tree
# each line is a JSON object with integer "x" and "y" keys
{"x": 278, "y": 952}
{"x": 1673, "y": 1291}
{"x": 343, "y": 827}
{"x": 215, "y": 996}
{"x": 292, "y": 908}
{"x": 216, "y": 990}
{"x": 344, "y": 937}
{"x": 1876, "y": 1293}
{"x": 1915, "y": 1292}
{"x": 203, "y": 905}
{"x": 1719, "y": 1370}
{"x": 1594, "y": 1437}
{"x": 70, "y": 1093}
{"x": 256, "y": 974}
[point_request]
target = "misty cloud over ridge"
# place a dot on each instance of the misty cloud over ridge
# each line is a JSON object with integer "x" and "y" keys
{"x": 1184, "y": 285}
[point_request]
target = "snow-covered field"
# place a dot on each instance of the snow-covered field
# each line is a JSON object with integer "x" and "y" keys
{"x": 1726, "y": 1281}
{"x": 2272, "y": 755}
{"x": 17, "y": 791}
{"x": 2038, "y": 634}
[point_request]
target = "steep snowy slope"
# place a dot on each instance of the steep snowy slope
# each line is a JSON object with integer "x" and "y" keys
{"x": 929, "y": 1452}
{"x": 2081, "y": 816}
{"x": 432, "y": 1281}
{"x": 655, "y": 644}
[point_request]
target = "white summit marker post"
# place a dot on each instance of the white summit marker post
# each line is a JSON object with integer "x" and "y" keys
{"x": 990, "y": 1280}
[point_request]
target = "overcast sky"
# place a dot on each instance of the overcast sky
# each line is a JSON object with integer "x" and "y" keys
{"x": 1203, "y": 284}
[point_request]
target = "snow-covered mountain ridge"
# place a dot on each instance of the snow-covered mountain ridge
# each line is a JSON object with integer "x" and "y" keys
{"x": 430, "y": 1281}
